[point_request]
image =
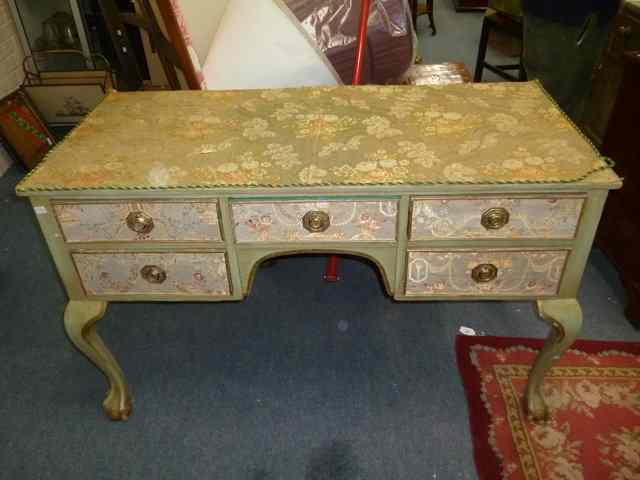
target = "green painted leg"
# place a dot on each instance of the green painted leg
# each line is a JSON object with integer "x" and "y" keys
{"x": 565, "y": 318}
{"x": 80, "y": 319}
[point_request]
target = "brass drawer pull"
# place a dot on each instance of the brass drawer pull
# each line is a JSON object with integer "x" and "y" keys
{"x": 484, "y": 273}
{"x": 495, "y": 218}
{"x": 153, "y": 274}
{"x": 316, "y": 221}
{"x": 140, "y": 222}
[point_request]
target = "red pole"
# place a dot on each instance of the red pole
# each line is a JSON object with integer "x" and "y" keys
{"x": 331, "y": 269}
{"x": 362, "y": 42}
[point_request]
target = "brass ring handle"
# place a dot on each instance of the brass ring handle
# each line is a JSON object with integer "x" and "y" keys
{"x": 140, "y": 222}
{"x": 495, "y": 218}
{"x": 153, "y": 274}
{"x": 484, "y": 273}
{"x": 316, "y": 221}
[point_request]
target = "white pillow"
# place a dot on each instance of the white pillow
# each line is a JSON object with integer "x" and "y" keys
{"x": 259, "y": 44}
{"x": 201, "y": 20}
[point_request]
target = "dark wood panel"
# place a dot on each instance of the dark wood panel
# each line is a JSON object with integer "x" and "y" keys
{"x": 607, "y": 75}
{"x": 619, "y": 231}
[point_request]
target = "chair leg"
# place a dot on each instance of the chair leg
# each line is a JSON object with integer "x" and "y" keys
{"x": 414, "y": 13}
{"x": 432, "y": 22}
{"x": 522, "y": 73}
{"x": 482, "y": 51}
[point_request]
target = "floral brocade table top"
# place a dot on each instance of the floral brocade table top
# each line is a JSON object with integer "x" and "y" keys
{"x": 334, "y": 136}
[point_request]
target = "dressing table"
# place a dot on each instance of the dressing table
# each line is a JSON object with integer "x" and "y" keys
{"x": 456, "y": 192}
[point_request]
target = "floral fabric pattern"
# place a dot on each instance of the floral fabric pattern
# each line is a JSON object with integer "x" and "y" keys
{"x": 443, "y": 218}
{"x": 282, "y": 221}
{"x": 198, "y": 274}
{"x": 530, "y": 274}
{"x": 105, "y": 222}
{"x": 368, "y": 135}
{"x": 594, "y": 402}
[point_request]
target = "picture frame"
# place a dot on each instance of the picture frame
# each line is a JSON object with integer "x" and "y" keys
{"x": 65, "y": 104}
{"x": 64, "y": 97}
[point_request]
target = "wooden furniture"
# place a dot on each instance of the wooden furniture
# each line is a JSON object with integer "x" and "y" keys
{"x": 418, "y": 9}
{"x": 63, "y": 98}
{"x": 22, "y": 131}
{"x": 508, "y": 7}
{"x": 180, "y": 39}
{"x": 470, "y": 5}
{"x": 607, "y": 76}
{"x": 619, "y": 232}
{"x": 173, "y": 57}
{"x": 413, "y": 179}
{"x": 436, "y": 74}
{"x": 499, "y": 22}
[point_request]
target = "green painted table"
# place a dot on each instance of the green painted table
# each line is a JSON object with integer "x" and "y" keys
{"x": 460, "y": 192}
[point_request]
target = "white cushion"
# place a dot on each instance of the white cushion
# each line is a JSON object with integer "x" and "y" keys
{"x": 259, "y": 44}
{"x": 202, "y": 20}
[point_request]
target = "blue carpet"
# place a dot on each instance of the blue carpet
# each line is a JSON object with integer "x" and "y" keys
{"x": 304, "y": 379}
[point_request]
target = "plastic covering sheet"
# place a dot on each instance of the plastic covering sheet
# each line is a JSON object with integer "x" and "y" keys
{"x": 333, "y": 26}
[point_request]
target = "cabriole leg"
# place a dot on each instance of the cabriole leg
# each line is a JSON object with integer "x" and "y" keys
{"x": 80, "y": 319}
{"x": 565, "y": 318}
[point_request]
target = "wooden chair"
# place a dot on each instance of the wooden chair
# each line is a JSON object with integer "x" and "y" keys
{"x": 495, "y": 21}
{"x": 418, "y": 9}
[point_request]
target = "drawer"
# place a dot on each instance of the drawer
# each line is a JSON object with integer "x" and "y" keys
{"x": 533, "y": 273}
{"x": 548, "y": 217}
{"x": 134, "y": 221}
{"x": 184, "y": 274}
{"x": 290, "y": 221}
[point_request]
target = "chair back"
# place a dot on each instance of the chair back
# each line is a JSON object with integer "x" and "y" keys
{"x": 510, "y": 7}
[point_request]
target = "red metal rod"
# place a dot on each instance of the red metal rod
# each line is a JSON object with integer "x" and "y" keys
{"x": 362, "y": 42}
{"x": 331, "y": 269}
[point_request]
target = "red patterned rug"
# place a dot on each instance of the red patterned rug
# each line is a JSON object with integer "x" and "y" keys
{"x": 593, "y": 393}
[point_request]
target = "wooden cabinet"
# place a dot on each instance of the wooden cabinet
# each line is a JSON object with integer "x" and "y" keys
{"x": 624, "y": 36}
{"x": 619, "y": 232}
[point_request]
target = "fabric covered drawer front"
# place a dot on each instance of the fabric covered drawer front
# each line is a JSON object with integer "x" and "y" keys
{"x": 549, "y": 217}
{"x": 153, "y": 273}
{"x": 531, "y": 273}
{"x": 160, "y": 221}
{"x": 283, "y": 221}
